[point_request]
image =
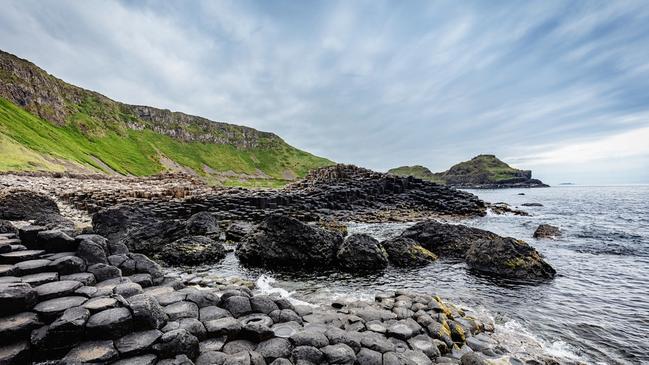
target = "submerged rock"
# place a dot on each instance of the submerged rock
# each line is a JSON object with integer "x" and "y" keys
{"x": 281, "y": 241}
{"x": 406, "y": 252}
{"x": 508, "y": 257}
{"x": 547, "y": 231}
{"x": 361, "y": 252}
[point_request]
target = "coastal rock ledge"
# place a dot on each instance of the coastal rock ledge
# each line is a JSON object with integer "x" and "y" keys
{"x": 66, "y": 308}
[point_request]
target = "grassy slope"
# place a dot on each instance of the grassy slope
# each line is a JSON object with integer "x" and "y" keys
{"x": 135, "y": 152}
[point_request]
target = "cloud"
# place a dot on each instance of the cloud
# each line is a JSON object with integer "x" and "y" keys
{"x": 375, "y": 83}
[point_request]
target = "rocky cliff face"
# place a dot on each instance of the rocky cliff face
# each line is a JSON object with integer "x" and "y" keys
{"x": 54, "y": 100}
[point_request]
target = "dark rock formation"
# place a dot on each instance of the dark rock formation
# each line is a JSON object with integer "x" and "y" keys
{"x": 547, "y": 231}
{"x": 280, "y": 241}
{"x": 508, "y": 258}
{"x": 192, "y": 250}
{"x": 202, "y": 224}
{"x": 446, "y": 240}
{"x": 360, "y": 252}
{"x": 406, "y": 252}
{"x": 25, "y": 204}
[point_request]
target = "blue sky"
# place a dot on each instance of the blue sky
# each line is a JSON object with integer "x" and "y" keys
{"x": 559, "y": 87}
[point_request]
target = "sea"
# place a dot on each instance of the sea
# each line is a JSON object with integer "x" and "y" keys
{"x": 595, "y": 311}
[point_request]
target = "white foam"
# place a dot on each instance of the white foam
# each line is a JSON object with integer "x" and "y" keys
{"x": 265, "y": 286}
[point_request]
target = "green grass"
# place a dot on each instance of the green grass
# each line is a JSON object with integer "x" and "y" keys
{"x": 135, "y": 152}
{"x": 417, "y": 171}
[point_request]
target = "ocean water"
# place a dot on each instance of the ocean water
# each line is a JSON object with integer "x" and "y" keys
{"x": 595, "y": 311}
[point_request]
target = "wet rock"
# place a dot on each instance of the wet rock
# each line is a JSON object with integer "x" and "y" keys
{"x": 532, "y": 205}
{"x": 110, "y": 323}
{"x": 361, "y": 252}
{"x": 377, "y": 342}
{"x": 16, "y": 297}
{"x": 401, "y": 330}
{"x": 414, "y": 357}
{"x": 237, "y": 230}
{"x": 426, "y": 345}
{"x": 177, "y": 360}
{"x": 193, "y": 326}
{"x": 57, "y": 289}
{"x": 339, "y": 354}
{"x": 507, "y": 257}
{"x": 202, "y": 224}
{"x": 147, "y": 312}
{"x": 274, "y": 348}
{"x": 286, "y": 330}
{"x": 68, "y": 265}
{"x": 406, "y": 252}
{"x": 257, "y": 329}
{"x": 547, "y": 231}
{"x": 280, "y": 241}
{"x": 212, "y": 344}
{"x": 92, "y": 352}
{"x": 137, "y": 342}
{"x": 203, "y": 298}
{"x": 56, "y": 241}
{"x": 17, "y": 326}
{"x": 145, "y": 265}
{"x": 192, "y": 250}
{"x": 338, "y": 336}
{"x": 177, "y": 342}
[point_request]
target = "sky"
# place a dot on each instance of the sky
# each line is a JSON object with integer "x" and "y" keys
{"x": 559, "y": 87}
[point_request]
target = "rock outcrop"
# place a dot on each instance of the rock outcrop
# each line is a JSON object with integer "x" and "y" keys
{"x": 406, "y": 252}
{"x": 281, "y": 241}
{"x": 547, "y": 231}
{"x": 360, "y": 252}
{"x": 482, "y": 250}
{"x": 508, "y": 257}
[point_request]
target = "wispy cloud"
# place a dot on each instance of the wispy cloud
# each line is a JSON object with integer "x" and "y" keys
{"x": 375, "y": 83}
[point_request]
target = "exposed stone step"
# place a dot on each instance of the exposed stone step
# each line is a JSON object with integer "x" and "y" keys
{"x": 18, "y": 256}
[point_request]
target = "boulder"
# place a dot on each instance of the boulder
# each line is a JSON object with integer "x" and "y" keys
{"x": 15, "y": 353}
{"x": 192, "y": 250}
{"x": 181, "y": 310}
{"x": 29, "y": 235}
{"x": 281, "y": 241}
{"x": 508, "y": 257}
{"x": 104, "y": 272}
{"x": 406, "y": 252}
{"x": 149, "y": 239}
{"x": 237, "y": 305}
{"x": 92, "y": 248}
{"x": 67, "y": 265}
{"x": 361, "y": 252}
{"x": 274, "y": 348}
{"x": 446, "y": 240}
{"x": 339, "y": 354}
{"x": 147, "y": 312}
{"x": 25, "y": 204}
{"x": 547, "y": 231}
{"x": 202, "y": 224}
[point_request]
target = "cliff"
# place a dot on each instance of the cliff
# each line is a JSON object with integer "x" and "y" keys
{"x": 48, "y": 124}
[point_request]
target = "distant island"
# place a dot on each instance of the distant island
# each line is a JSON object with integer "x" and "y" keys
{"x": 481, "y": 172}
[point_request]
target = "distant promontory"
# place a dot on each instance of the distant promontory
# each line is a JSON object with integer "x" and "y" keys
{"x": 481, "y": 172}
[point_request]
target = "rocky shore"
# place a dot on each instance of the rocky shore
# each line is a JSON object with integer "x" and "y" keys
{"x": 82, "y": 300}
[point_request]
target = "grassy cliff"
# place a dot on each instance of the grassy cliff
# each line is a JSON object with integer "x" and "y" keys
{"x": 47, "y": 124}
{"x": 480, "y": 170}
